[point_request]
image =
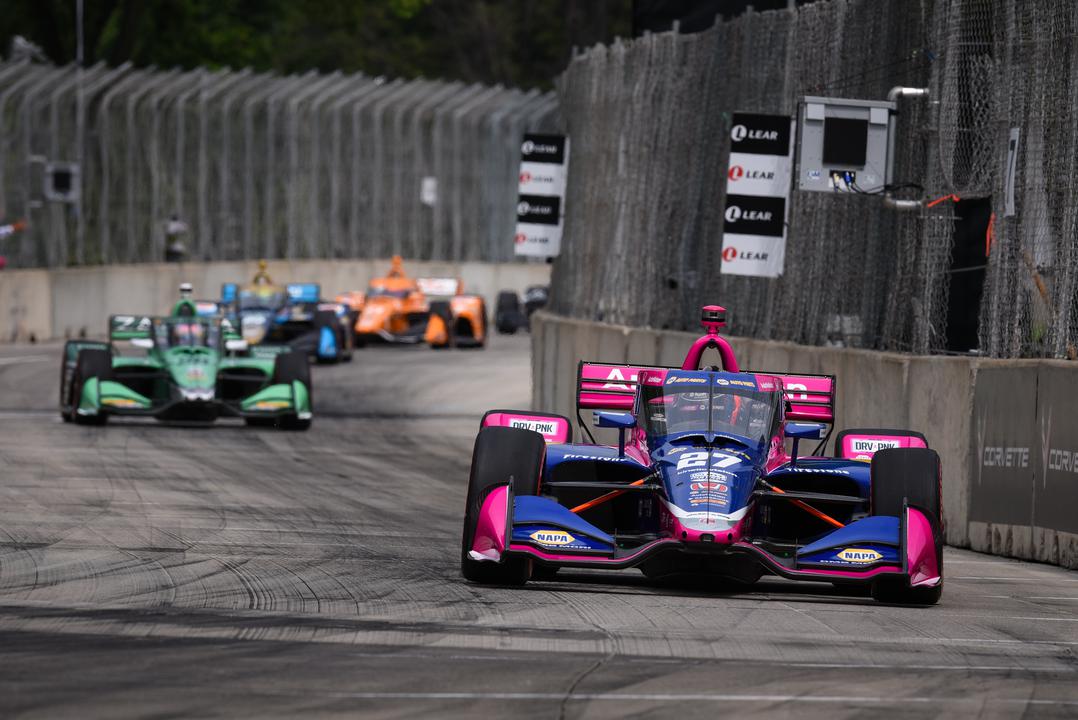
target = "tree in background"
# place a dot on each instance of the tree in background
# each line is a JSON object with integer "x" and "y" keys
{"x": 523, "y": 43}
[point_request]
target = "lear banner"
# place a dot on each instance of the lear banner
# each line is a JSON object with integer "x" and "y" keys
{"x": 544, "y": 164}
{"x": 757, "y": 195}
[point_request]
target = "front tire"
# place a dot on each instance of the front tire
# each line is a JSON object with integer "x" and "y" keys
{"x": 500, "y": 453}
{"x": 91, "y": 363}
{"x": 442, "y": 310}
{"x": 288, "y": 368}
{"x": 901, "y": 477}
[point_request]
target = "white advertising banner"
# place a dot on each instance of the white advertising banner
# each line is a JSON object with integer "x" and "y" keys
{"x": 757, "y": 195}
{"x": 544, "y": 166}
{"x": 754, "y": 255}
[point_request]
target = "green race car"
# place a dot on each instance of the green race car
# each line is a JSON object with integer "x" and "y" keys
{"x": 188, "y": 373}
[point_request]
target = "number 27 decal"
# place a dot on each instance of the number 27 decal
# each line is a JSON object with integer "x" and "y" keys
{"x": 699, "y": 460}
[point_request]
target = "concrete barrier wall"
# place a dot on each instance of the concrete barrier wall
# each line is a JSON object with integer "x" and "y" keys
{"x": 42, "y": 304}
{"x": 1006, "y": 431}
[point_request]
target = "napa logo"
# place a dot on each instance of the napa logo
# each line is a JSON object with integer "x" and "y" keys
{"x": 859, "y": 555}
{"x": 552, "y": 537}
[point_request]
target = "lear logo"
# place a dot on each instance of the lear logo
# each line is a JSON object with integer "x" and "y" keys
{"x": 544, "y": 427}
{"x": 734, "y": 214}
{"x": 740, "y": 132}
{"x": 520, "y": 238}
{"x": 525, "y": 177}
{"x": 858, "y": 555}
{"x": 525, "y": 208}
{"x": 528, "y": 147}
{"x": 737, "y": 173}
{"x": 730, "y": 254}
{"x": 552, "y": 537}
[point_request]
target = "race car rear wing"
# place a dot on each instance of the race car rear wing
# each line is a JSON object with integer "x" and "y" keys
{"x": 130, "y": 327}
{"x": 440, "y": 286}
{"x": 601, "y": 386}
{"x": 809, "y": 398}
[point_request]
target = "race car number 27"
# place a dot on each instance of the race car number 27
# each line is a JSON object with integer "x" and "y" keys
{"x": 699, "y": 460}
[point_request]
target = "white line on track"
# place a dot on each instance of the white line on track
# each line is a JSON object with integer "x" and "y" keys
{"x": 24, "y": 359}
{"x": 679, "y": 697}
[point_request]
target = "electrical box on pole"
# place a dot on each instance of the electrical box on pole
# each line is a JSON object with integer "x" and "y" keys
{"x": 845, "y": 145}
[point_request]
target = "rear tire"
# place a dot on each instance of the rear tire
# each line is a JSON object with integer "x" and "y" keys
{"x": 91, "y": 363}
{"x": 507, "y": 312}
{"x": 289, "y": 368}
{"x": 900, "y": 477}
{"x": 500, "y": 453}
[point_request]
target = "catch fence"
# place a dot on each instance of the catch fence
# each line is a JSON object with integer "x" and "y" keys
{"x": 650, "y": 118}
{"x": 261, "y": 165}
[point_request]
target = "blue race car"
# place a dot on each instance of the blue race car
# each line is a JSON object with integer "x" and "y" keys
{"x": 283, "y": 318}
{"x": 700, "y": 482}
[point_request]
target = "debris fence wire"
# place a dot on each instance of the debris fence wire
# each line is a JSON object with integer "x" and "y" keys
{"x": 650, "y": 118}
{"x": 261, "y": 165}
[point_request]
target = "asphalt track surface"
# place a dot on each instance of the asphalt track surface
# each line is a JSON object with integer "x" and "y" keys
{"x": 153, "y": 571}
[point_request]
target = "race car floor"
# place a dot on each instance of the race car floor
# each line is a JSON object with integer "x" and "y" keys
{"x": 151, "y": 571}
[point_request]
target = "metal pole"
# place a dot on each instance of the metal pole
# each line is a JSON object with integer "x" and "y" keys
{"x": 104, "y": 126}
{"x": 88, "y": 92}
{"x": 80, "y": 126}
{"x": 249, "y": 166}
{"x": 335, "y": 156}
{"x": 292, "y": 178}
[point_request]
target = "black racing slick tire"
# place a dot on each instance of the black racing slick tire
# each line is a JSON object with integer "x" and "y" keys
{"x": 507, "y": 312}
{"x": 288, "y": 368}
{"x": 442, "y": 309}
{"x": 484, "y": 324}
{"x": 901, "y": 477}
{"x": 500, "y": 453}
{"x": 91, "y": 363}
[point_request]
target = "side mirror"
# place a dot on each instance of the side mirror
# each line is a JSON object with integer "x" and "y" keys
{"x": 804, "y": 430}
{"x": 236, "y": 345}
{"x": 619, "y": 420}
{"x": 144, "y": 343}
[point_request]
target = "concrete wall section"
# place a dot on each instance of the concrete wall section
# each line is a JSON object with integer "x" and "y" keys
{"x": 1006, "y": 431}
{"x": 68, "y": 302}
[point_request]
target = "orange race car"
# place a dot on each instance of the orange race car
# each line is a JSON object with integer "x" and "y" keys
{"x": 398, "y": 308}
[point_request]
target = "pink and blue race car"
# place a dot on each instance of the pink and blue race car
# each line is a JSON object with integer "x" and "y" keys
{"x": 701, "y": 481}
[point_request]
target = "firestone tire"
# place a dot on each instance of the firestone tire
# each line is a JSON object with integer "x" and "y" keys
{"x": 289, "y": 368}
{"x": 901, "y": 477}
{"x": 91, "y": 363}
{"x": 441, "y": 309}
{"x": 500, "y": 453}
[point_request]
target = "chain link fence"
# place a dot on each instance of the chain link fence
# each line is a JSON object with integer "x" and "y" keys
{"x": 650, "y": 121}
{"x": 259, "y": 165}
